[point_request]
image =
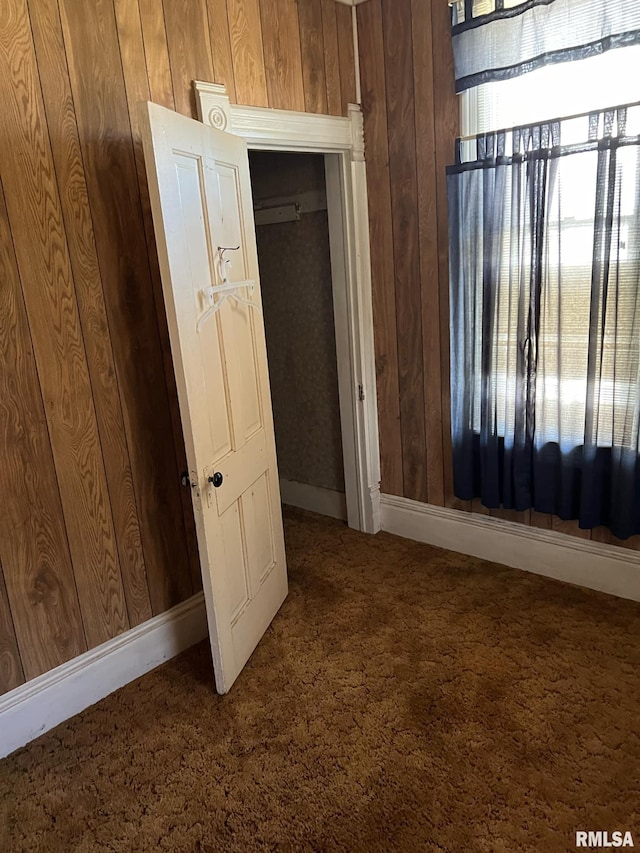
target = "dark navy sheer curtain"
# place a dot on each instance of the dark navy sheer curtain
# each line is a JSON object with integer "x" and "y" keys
{"x": 544, "y": 227}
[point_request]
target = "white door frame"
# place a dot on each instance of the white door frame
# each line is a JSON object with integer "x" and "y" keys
{"x": 347, "y": 206}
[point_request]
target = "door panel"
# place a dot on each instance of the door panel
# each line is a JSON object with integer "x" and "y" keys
{"x": 237, "y": 469}
{"x": 203, "y": 217}
{"x": 239, "y": 583}
{"x": 260, "y": 552}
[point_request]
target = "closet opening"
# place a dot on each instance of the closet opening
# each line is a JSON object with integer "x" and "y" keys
{"x": 296, "y": 279}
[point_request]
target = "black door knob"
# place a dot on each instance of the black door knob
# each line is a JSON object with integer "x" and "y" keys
{"x": 216, "y": 480}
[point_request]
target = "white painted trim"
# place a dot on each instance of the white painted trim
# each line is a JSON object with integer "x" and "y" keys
{"x": 361, "y": 322}
{"x": 348, "y": 212}
{"x": 272, "y": 130}
{"x": 314, "y": 498}
{"x": 308, "y": 202}
{"x": 339, "y": 242}
{"x": 543, "y": 552}
{"x": 45, "y": 701}
{"x": 277, "y": 214}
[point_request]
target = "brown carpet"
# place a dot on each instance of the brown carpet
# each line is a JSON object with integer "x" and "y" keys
{"x": 405, "y": 698}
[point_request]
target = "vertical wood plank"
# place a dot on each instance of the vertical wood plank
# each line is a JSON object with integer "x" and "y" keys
{"x": 603, "y": 534}
{"x": 569, "y": 527}
{"x": 35, "y": 216}
{"x": 156, "y": 53}
{"x": 282, "y": 56}
{"x": 344, "y": 22}
{"x": 446, "y": 124}
{"x": 331, "y": 57}
{"x": 516, "y": 516}
{"x": 220, "y": 38}
{"x": 478, "y": 507}
{"x": 598, "y": 534}
{"x": 396, "y": 15}
{"x": 246, "y": 52}
{"x": 540, "y": 519}
{"x": 11, "y": 672}
{"x": 65, "y": 145}
{"x": 312, "y": 45}
{"x": 187, "y": 26}
{"x": 374, "y": 108}
{"x": 428, "y": 231}
{"x": 97, "y": 84}
{"x": 33, "y": 545}
{"x": 137, "y": 89}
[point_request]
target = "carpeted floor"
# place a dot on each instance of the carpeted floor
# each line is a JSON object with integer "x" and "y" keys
{"x": 405, "y": 698}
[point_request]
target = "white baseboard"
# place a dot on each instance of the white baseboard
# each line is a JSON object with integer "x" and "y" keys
{"x": 543, "y": 552}
{"x": 45, "y": 701}
{"x": 373, "y": 509}
{"x": 314, "y": 498}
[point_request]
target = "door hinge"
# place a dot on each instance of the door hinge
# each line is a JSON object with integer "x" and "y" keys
{"x": 360, "y": 392}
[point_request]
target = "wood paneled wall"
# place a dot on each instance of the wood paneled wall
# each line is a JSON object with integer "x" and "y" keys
{"x": 410, "y": 112}
{"x": 411, "y": 121}
{"x": 96, "y": 534}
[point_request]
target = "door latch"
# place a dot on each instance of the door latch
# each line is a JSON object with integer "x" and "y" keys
{"x": 189, "y": 480}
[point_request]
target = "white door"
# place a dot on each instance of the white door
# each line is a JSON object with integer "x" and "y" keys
{"x": 203, "y": 216}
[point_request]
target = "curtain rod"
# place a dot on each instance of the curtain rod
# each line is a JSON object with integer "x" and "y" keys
{"x": 473, "y": 136}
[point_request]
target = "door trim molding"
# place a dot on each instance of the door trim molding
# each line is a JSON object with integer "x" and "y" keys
{"x": 543, "y": 552}
{"x": 343, "y": 138}
{"x": 49, "y": 699}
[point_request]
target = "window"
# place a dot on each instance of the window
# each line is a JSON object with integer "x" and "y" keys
{"x": 568, "y": 89}
{"x": 544, "y": 251}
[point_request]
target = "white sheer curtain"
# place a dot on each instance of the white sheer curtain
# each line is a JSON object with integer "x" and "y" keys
{"x": 545, "y": 319}
{"x": 498, "y": 39}
{"x": 544, "y": 224}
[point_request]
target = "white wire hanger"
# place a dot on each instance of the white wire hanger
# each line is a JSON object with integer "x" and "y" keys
{"x": 226, "y": 290}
